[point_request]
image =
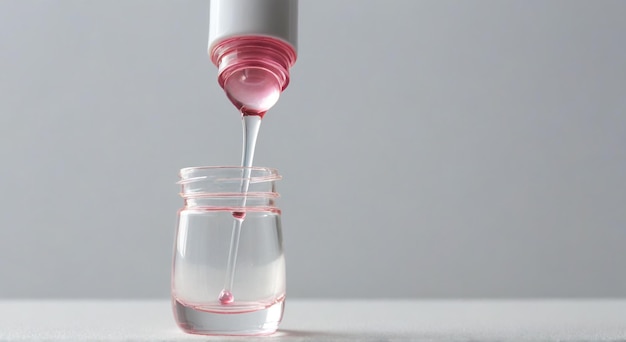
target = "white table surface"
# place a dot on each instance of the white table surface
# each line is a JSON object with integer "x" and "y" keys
{"x": 316, "y": 320}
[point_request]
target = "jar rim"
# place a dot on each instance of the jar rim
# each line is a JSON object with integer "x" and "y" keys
{"x": 260, "y": 168}
{"x": 257, "y": 173}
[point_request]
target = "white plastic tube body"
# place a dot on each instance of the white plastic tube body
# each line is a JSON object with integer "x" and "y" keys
{"x": 272, "y": 18}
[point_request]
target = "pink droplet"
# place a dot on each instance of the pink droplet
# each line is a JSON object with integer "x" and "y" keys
{"x": 253, "y": 90}
{"x": 240, "y": 215}
{"x": 226, "y": 297}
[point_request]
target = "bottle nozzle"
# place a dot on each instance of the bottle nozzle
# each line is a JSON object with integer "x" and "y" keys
{"x": 253, "y": 71}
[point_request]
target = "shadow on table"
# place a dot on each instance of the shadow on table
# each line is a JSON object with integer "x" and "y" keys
{"x": 303, "y": 335}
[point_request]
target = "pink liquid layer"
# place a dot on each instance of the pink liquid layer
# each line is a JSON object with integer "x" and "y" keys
{"x": 234, "y": 308}
{"x": 252, "y": 320}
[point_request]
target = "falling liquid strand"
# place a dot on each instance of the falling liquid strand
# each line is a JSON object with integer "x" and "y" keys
{"x": 251, "y": 125}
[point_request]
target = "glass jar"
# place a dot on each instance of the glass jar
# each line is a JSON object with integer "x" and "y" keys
{"x": 228, "y": 272}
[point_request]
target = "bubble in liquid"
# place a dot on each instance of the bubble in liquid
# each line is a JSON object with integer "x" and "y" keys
{"x": 226, "y": 297}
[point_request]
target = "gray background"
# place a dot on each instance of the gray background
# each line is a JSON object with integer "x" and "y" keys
{"x": 429, "y": 148}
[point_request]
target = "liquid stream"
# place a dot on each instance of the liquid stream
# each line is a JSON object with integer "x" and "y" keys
{"x": 251, "y": 125}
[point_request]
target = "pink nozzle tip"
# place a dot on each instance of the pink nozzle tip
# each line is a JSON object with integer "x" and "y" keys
{"x": 252, "y": 90}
